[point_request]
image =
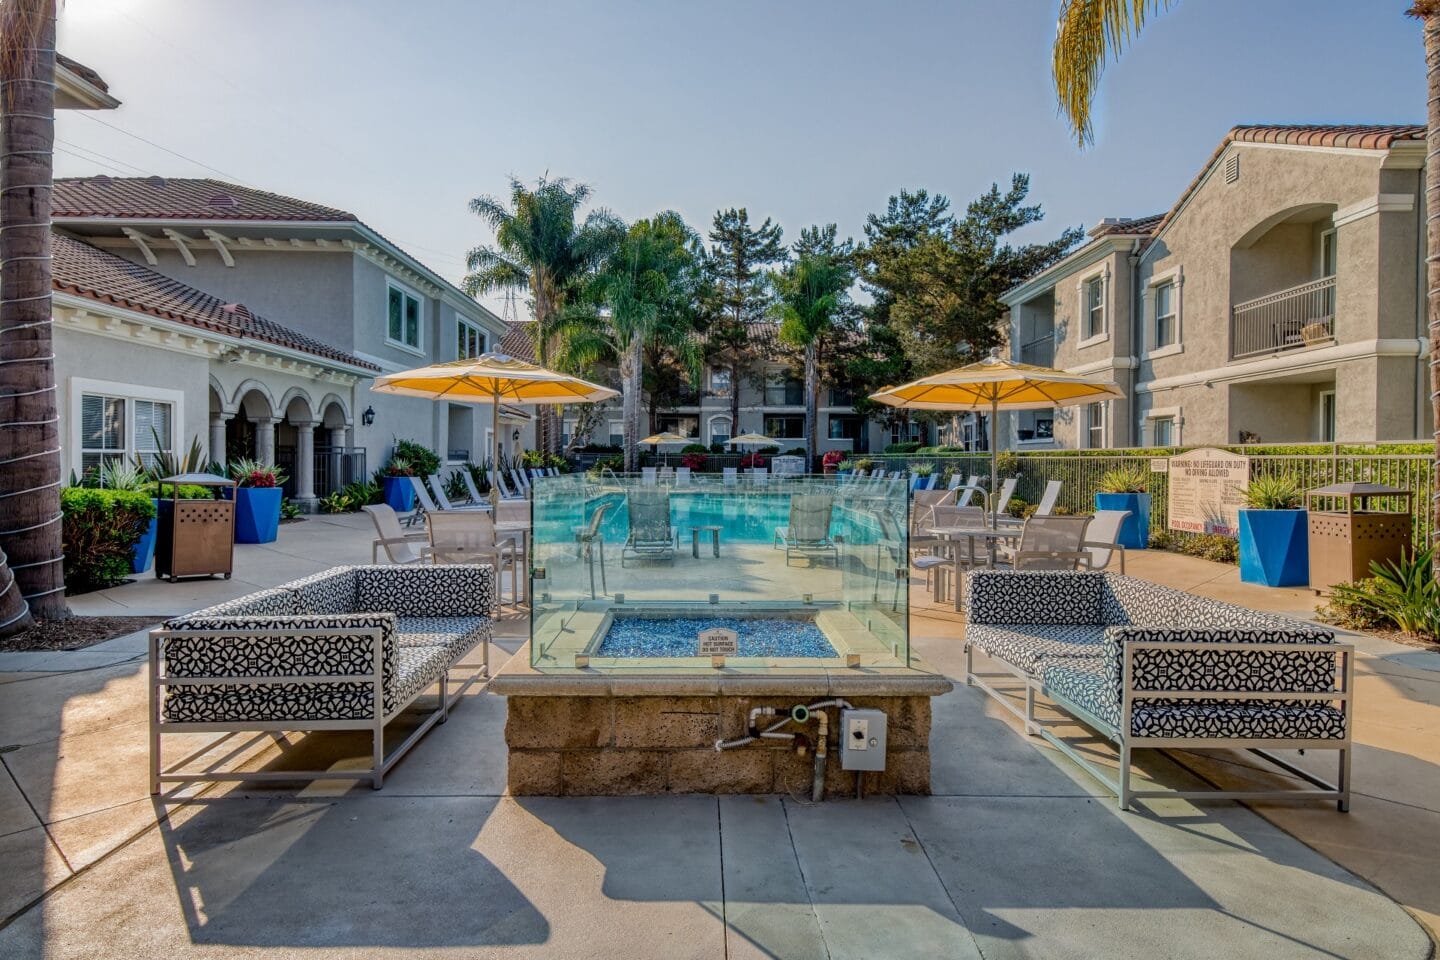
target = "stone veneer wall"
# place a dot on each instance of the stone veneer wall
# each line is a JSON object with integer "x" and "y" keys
{"x": 613, "y": 745}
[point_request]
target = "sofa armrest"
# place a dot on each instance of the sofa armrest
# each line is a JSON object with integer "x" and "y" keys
{"x": 1034, "y": 596}
{"x": 339, "y": 645}
{"x": 1152, "y": 664}
{"x": 438, "y": 590}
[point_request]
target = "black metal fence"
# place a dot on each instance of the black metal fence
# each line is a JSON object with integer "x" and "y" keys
{"x": 335, "y": 467}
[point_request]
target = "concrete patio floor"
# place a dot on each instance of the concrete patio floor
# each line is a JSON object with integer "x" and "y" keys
{"x": 1018, "y": 853}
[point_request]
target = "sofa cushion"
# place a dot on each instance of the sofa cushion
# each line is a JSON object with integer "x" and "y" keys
{"x": 419, "y": 667}
{"x": 1081, "y": 682}
{"x": 458, "y": 635}
{"x": 291, "y": 653}
{"x": 441, "y": 590}
{"x": 1241, "y": 671}
{"x": 1270, "y": 721}
{"x": 330, "y": 591}
{"x": 1034, "y": 596}
{"x": 275, "y": 602}
{"x": 1130, "y": 601}
{"x": 1027, "y": 646}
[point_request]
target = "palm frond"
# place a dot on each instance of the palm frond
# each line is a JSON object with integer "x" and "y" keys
{"x": 1089, "y": 34}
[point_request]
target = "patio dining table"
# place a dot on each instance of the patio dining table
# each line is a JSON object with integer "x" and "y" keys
{"x": 971, "y": 532}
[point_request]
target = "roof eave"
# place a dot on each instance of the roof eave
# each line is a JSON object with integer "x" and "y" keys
{"x": 1028, "y": 288}
{"x": 74, "y": 92}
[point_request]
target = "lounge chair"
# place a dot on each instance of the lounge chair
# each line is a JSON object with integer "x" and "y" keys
{"x": 967, "y": 492}
{"x": 1049, "y": 543}
{"x": 682, "y": 476}
{"x": 729, "y": 476}
{"x": 649, "y": 476}
{"x": 946, "y": 557}
{"x": 497, "y": 479}
{"x": 438, "y": 488}
{"x": 808, "y": 533}
{"x": 1045, "y": 507}
{"x": 399, "y": 546}
{"x": 652, "y": 537}
{"x": 522, "y": 480}
{"x": 475, "y": 495}
{"x": 1007, "y": 492}
{"x": 428, "y": 504}
{"x": 1101, "y": 538}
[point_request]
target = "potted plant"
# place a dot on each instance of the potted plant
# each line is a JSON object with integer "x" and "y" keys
{"x": 1274, "y": 533}
{"x": 921, "y": 473}
{"x": 845, "y": 467}
{"x": 1124, "y": 488}
{"x": 395, "y": 482}
{"x": 830, "y": 462}
{"x": 257, "y": 496}
{"x": 865, "y": 463}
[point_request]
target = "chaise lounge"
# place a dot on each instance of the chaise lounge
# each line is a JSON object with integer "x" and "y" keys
{"x": 347, "y": 649}
{"x": 1151, "y": 667}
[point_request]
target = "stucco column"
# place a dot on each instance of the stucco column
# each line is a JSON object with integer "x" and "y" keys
{"x": 339, "y": 436}
{"x": 304, "y": 460}
{"x": 217, "y": 436}
{"x": 265, "y": 439}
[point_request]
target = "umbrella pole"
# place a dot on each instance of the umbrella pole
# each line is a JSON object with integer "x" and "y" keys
{"x": 994, "y": 465}
{"x": 495, "y": 455}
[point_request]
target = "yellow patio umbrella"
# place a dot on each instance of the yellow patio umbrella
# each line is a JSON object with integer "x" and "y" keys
{"x": 996, "y": 384}
{"x": 752, "y": 440}
{"x": 666, "y": 437}
{"x": 492, "y": 378}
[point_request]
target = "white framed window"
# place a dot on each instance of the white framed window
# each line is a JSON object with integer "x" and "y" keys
{"x": 720, "y": 429}
{"x": 119, "y": 422}
{"x": 1165, "y": 314}
{"x": 469, "y": 339}
{"x": 1094, "y": 305}
{"x": 1096, "y": 436}
{"x": 404, "y": 317}
{"x": 719, "y": 382}
{"x": 1165, "y": 332}
{"x": 1162, "y": 432}
{"x": 1327, "y": 416}
{"x": 617, "y": 433}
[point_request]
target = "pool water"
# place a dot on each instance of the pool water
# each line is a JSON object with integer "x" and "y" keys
{"x": 677, "y": 637}
{"x": 749, "y": 518}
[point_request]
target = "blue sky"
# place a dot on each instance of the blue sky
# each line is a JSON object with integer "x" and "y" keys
{"x": 804, "y": 111}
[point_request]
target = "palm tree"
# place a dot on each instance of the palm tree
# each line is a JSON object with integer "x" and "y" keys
{"x": 643, "y": 296}
{"x": 29, "y": 423}
{"x": 540, "y": 246}
{"x": 812, "y": 291}
{"x": 1091, "y": 32}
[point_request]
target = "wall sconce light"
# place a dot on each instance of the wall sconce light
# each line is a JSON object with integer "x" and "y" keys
{"x": 515, "y": 436}
{"x": 368, "y": 417}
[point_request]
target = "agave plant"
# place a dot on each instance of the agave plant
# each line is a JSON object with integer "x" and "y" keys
{"x": 167, "y": 463}
{"x": 1128, "y": 479}
{"x": 1278, "y": 492}
{"x": 119, "y": 475}
{"x": 253, "y": 473}
{"x": 1405, "y": 594}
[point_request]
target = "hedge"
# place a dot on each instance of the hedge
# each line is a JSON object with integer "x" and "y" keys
{"x": 100, "y": 530}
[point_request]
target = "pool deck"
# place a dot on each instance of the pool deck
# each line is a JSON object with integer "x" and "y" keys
{"x": 1018, "y": 854}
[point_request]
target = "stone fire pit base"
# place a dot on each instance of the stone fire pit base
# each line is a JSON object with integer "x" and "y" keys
{"x": 591, "y": 734}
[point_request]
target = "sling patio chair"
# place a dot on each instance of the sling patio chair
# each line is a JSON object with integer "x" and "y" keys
{"x": 1045, "y": 507}
{"x": 1101, "y": 537}
{"x": 470, "y": 537}
{"x": 399, "y": 546}
{"x": 967, "y": 492}
{"x": 808, "y": 532}
{"x": 474, "y": 490}
{"x": 682, "y": 476}
{"x": 591, "y": 541}
{"x": 650, "y": 476}
{"x": 1049, "y": 543}
{"x": 730, "y": 476}
{"x": 652, "y": 536}
{"x": 497, "y": 479}
{"x": 438, "y": 489}
{"x": 945, "y": 557}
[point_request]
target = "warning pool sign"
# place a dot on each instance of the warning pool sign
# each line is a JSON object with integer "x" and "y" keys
{"x": 1205, "y": 491}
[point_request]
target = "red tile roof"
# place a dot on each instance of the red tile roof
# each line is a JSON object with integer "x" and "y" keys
{"x": 83, "y": 72}
{"x": 168, "y": 198}
{"x": 1128, "y": 226}
{"x": 1351, "y": 136}
{"x": 518, "y": 342}
{"x": 87, "y": 271}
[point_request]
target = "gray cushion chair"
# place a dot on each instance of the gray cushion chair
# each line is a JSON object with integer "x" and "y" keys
{"x": 346, "y": 649}
{"x": 1151, "y": 667}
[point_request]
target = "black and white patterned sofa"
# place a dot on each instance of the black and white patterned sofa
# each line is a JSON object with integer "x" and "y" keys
{"x": 1152, "y": 667}
{"x": 346, "y": 649}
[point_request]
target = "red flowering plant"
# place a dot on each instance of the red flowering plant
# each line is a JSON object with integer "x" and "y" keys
{"x": 694, "y": 461}
{"x": 399, "y": 467}
{"x": 753, "y": 460}
{"x": 832, "y": 458}
{"x": 253, "y": 473}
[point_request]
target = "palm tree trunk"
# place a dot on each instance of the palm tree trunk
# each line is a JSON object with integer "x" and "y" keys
{"x": 14, "y": 612}
{"x": 630, "y": 366}
{"x": 1430, "y": 17}
{"x": 29, "y": 425}
{"x": 812, "y": 392}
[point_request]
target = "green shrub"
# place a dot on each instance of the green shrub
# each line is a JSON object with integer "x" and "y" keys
{"x": 188, "y": 491}
{"x": 1278, "y": 492}
{"x": 1128, "y": 479}
{"x": 421, "y": 458}
{"x": 909, "y": 446}
{"x": 1403, "y": 595}
{"x": 100, "y": 530}
{"x": 922, "y": 469}
{"x": 694, "y": 448}
{"x": 865, "y": 463}
{"x": 289, "y": 510}
{"x": 1207, "y": 546}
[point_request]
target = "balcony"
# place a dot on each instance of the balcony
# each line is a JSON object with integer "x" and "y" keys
{"x": 1039, "y": 352}
{"x": 1287, "y": 320}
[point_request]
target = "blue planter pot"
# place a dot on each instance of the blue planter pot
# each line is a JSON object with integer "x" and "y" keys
{"x": 145, "y": 548}
{"x": 257, "y": 514}
{"x": 1135, "y": 531}
{"x": 917, "y": 482}
{"x": 1275, "y": 547}
{"x": 399, "y": 494}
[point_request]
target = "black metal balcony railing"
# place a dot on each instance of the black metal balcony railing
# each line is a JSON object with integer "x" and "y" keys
{"x": 1285, "y": 320}
{"x": 1040, "y": 352}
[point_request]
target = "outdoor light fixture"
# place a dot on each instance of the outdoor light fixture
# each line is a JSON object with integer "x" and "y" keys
{"x": 368, "y": 417}
{"x": 515, "y": 436}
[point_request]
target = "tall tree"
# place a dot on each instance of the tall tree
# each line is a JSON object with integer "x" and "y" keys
{"x": 643, "y": 295}
{"x": 938, "y": 279}
{"x": 1093, "y": 32}
{"x": 738, "y": 292}
{"x": 30, "y": 534}
{"x": 541, "y": 245}
{"x": 813, "y": 295}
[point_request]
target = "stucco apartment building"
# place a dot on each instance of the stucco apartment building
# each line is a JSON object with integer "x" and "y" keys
{"x": 253, "y": 322}
{"x": 1280, "y": 299}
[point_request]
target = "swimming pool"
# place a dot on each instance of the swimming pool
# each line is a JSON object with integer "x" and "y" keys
{"x": 743, "y": 518}
{"x": 677, "y": 637}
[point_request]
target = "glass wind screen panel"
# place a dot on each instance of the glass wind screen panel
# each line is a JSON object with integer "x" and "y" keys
{"x": 809, "y": 572}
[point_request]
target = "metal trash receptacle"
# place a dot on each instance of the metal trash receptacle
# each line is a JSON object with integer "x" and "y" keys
{"x": 194, "y": 538}
{"x": 1344, "y": 542}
